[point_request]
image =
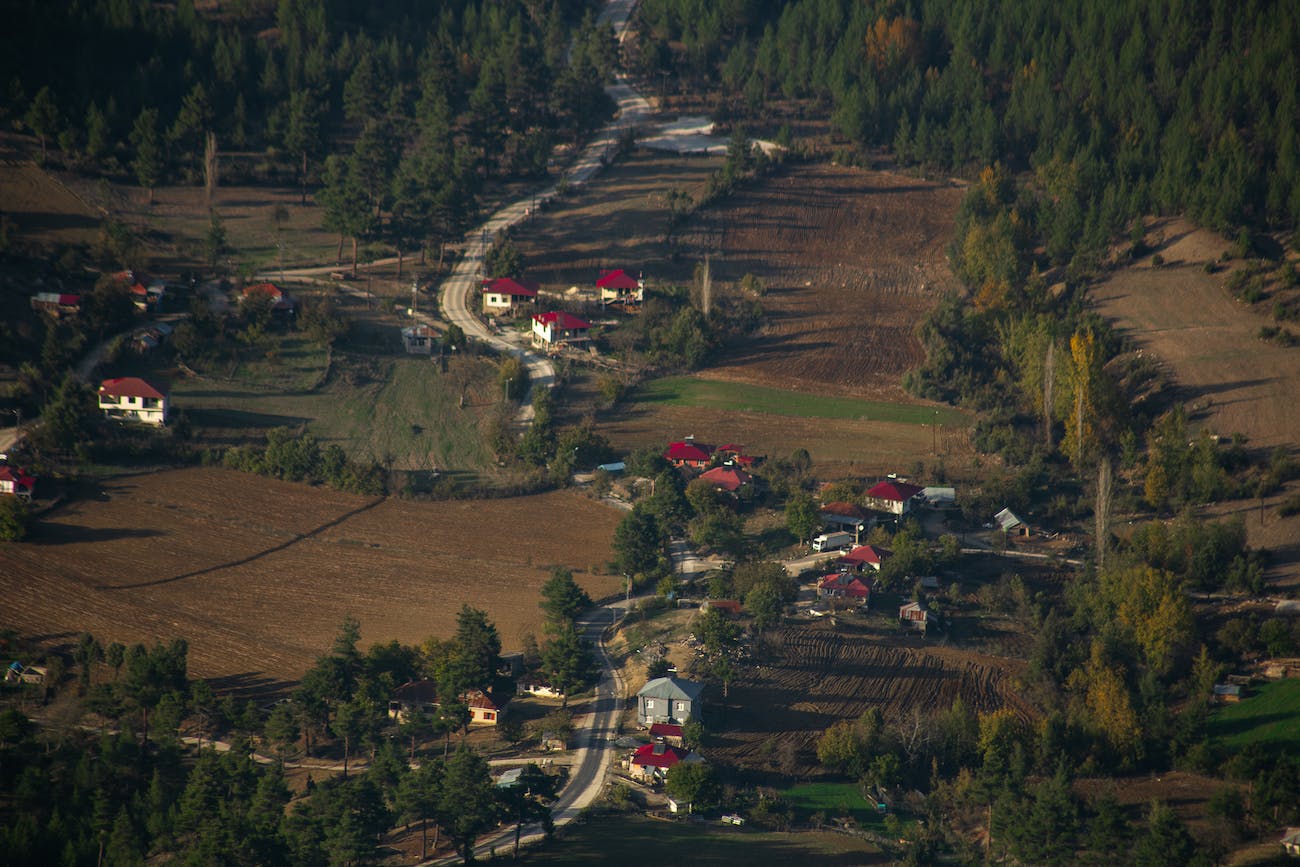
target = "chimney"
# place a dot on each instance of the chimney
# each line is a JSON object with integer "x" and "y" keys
{"x": 660, "y": 747}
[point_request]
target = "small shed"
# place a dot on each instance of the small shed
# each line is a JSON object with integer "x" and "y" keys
{"x": 1011, "y": 524}
{"x": 1227, "y": 693}
{"x": 729, "y": 607}
{"x": 915, "y": 615}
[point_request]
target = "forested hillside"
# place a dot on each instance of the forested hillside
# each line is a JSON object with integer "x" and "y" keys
{"x": 431, "y": 98}
{"x": 1119, "y": 108}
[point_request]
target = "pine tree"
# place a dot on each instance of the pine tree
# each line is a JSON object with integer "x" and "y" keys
{"x": 148, "y": 162}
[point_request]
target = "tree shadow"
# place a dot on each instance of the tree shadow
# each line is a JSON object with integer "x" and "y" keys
{"x": 67, "y": 534}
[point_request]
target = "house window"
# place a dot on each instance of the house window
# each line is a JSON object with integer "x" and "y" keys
{"x": 649, "y": 704}
{"x": 683, "y": 707}
{"x": 489, "y": 715}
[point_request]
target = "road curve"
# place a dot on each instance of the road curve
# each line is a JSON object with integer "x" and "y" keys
{"x": 458, "y": 290}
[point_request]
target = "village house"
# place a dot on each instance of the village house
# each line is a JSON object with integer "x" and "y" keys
{"x": 863, "y": 557}
{"x": 688, "y": 453}
{"x": 620, "y": 287}
{"x": 651, "y": 763}
{"x": 845, "y": 585}
{"x": 131, "y": 398}
{"x": 668, "y": 699}
{"x": 1010, "y": 524}
{"x": 733, "y": 454}
{"x": 846, "y": 517}
{"x": 892, "y": 496}
{"x": 146, "y": 340}
{"x": 729, "y": 480}
{"x": 57, "y": 304}
{"x": 668, "y": 733}
{"x": 1227, "y": 693}
{"x": 419, "y": 339}
{"x": 19, "y": 673}
{"x": 506, "y": 294}
{"x": 729, "y": 607}
{"x": 557, "y": 328}
{"x": 1291, "y": 842}
{"x": 421, "y": 696}
{"x": 16, "y": 482}
{"x": 916, "y": 615}
{"x": 282, "y": 305}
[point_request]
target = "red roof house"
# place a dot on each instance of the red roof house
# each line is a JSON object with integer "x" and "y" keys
{"x": 129, "y": 397}
{"x": 16, "y": 482}
{"x": 845, "y": 586}
{"x": 865, "y": 555}
{"x": 652, "y": 761}
{"x": 620, "y": 286}
{"x": 667, "y": 732}
{"x": 557, "y": 327}
{"x": 281, "y": 302}
{"x": 729, "y": 479}
{"x": 505, "y": 293}
{"x": 730, "y": 607}
{"x": 483, "y": 707}
{"x": 892, "y": 496}
{"x": 689, "y": 453}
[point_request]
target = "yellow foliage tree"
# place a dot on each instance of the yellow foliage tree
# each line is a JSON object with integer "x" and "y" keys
{"x": 1083, "y": 378}
{"x": 893, "y": 42}
{"x": 1152, "y": 606}
{"x": 1107, "y": 700}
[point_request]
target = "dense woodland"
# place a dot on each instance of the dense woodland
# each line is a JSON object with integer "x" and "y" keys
{"x": 110, "y": 781}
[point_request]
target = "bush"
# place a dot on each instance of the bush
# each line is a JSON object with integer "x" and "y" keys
{"x": 15, "y": 517}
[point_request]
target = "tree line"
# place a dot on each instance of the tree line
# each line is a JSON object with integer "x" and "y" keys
{"x": 128, "y": 790}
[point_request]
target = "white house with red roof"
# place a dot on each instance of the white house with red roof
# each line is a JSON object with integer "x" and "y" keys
{"x": 729, "y": 479}
{"x": 557, "y": 327}
{"x": 689, "y": 453}
{"x": 652, "y": 762}
{"x": 16, "y": 482}
{"x": 845, "y": 585}
{"x": 734, "y": 453}
{"x": 892, "y": 496}
{"x": 863, "y": 556}
{"x": 618, "y": 286}
{"x": 132, "y": 399}
{"x": 504, "y": 294}
{"x": 421, "y": 696}
{"x": 57, "y": 304}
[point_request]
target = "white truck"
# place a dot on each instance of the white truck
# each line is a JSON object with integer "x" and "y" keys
{"x": 832, "y": 542}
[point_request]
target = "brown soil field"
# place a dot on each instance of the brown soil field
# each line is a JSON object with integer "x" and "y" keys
{"x": 1231, "y": 381}
{"x": 777, "y": 712}
{"x": 258, "y": 574}
{"x": 42, "y": 210}
{"x": 851, "y": 260}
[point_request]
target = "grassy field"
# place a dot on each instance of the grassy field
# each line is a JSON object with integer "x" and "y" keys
{"x": 1270, "y": 718}
{"x": 636, "y": 840}
{"x": 375, "y": 406}
{"x": 743, "y": 397}
{"x": 833, "y": 799}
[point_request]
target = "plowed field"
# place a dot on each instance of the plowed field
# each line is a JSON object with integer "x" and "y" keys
{"x": 259, "y": 574}
{"x": 822, "y": 676}
{"x": 852, "y": 260}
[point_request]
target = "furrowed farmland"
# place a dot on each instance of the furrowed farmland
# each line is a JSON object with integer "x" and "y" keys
{"x": 776, "y": 713}
{"x": 258, "y": 574}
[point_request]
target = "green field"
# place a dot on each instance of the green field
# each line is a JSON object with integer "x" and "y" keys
{"x": 833, "y": 799}
{"x": 629, "y": 839}
{"x": 1269, "y": 717}
{"x": 715, "y": 394}
{"x": 375, "y": 406}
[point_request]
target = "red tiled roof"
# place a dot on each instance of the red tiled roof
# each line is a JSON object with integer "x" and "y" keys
{"x": 731, "y": 606}
{"x": 734, "y": 448}
{"x": 727, "y": 478}
{"x": 899, "y": 492}
{"x": 866, "y": 554}
{"x": 268, "y": 289}
{"x": 688, "y": 451}
{"x": 511, "y": 286}
{"x": 617, "y": 279}
{"x": 417, "y": 692}
{"x": 128, "y": 386}
{"x": 18, "y": 477}
{"x": 645, "y": 756}
{"x": 560, "y": 319}
{"x": 665, "y": 730}
{"x": 482, "y": 700}
{"x": 849, "y": 585}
